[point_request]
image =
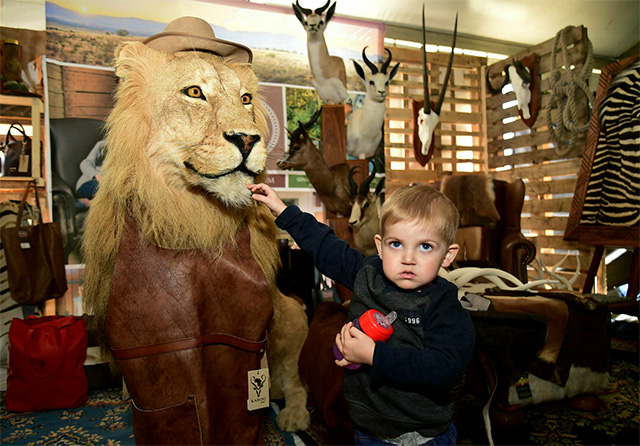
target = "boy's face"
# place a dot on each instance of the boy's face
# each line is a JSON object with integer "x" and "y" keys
{"x": 412, "y": 254}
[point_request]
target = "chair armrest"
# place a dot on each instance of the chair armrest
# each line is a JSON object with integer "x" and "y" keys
{"x": 516, "y": 252}
{"x": 64, "y": 207}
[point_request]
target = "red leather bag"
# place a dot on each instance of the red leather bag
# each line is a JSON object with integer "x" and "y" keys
{"x": 46, "y": 355}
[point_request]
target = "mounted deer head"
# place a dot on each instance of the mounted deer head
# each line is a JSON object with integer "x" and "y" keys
{"x": 329, "y": 76}
{"x": 364, "y": 129}
{"x": 428, "y": 118}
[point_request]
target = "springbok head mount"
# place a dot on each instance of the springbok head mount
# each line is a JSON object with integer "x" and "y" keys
{"x": 312, "y": 20}
{"x": 429, "y": 117}
{"x": 377, "y": 82}
{"x": 363, "y": 200}
{"x": 522, "y": 74}
{"x": 298, "y": 139}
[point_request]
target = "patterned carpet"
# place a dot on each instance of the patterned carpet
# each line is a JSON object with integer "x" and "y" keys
{"x": 106, "y": 420}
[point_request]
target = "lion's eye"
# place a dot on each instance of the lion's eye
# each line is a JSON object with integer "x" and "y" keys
{"x": 246, "y": 99}
{"x": 194, "y": 92}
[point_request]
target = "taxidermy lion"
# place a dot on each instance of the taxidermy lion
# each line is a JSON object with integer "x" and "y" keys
{"x": 180, "y": 261}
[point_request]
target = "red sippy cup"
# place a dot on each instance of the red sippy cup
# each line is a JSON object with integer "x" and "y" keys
{"x": 375, "y": 325}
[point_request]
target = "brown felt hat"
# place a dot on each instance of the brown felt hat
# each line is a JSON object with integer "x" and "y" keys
{"x": 193, "y": 33}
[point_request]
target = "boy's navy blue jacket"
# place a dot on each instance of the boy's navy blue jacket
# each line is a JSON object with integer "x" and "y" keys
{"x": 408, "y": 388}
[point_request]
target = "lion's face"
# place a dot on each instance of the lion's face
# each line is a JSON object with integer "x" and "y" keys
{"x": 206, "y": 120}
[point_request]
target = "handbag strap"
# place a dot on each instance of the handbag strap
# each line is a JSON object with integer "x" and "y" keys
{"x": 19, "y": 128}
{"x": 24, "y": 200}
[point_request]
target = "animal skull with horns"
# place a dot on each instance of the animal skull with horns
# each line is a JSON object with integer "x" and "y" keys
{"x": 428, "y": 117}
{"x": 522, "y": 75}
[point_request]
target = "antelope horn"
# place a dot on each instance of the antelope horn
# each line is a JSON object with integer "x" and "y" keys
{"x": 313, "y": 119}
{"x": 506, "y": 81}
{"x": 446, "y": 76}
{"x": 380, "y": 186}
{"x": 306, "y": 11}
{"x": 427, "y": 99}
{"x": 352, "y": 182}
{"x": 386, "y": 63}
{"x": 371, "y": 66}
{"x": 364, "y": 187}
{"x": 522, "y": 71}
{"x": 322, "y": 9}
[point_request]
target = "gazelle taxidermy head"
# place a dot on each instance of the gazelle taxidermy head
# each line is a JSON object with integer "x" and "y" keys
{"x": 365, "y": 215}
{"x": 520, "y": 78}
{"x": 364, "y": 129}
{"x": 332, "y": 184}
{"x": 329, "y": 76}
{"x": 429, "y": 117}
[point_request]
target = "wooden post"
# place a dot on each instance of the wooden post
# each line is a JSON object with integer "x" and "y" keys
{"x": 334, "y": 134}
{"x": 334, "y": 151}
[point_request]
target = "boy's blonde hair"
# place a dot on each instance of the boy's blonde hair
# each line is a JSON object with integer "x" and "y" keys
{"x": 424, "y": 205}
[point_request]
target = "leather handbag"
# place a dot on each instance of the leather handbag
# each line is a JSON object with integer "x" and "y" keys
{"x": 35, "y": 258}
{"x": 46, "y": 357}
{"x": 17, "y": 153}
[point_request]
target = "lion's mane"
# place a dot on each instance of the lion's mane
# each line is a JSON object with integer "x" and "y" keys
{"x": 150, "y": 131}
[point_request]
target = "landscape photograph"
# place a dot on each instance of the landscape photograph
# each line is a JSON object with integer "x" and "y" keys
{"x": 88, "y": 32}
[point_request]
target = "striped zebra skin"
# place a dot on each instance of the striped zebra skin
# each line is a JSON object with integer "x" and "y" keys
{"x": 613, "y": 193}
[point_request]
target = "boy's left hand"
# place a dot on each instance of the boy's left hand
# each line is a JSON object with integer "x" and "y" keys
{"x": 355, "y": 345}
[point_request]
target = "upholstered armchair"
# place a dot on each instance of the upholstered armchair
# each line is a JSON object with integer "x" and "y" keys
{"x": 487, "y": 238}
{"x": 71, "y": 141}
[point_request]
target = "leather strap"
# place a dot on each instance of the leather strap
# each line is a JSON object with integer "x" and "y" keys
{"x": 185, "y": 344}
{"x": 24, "y": 200}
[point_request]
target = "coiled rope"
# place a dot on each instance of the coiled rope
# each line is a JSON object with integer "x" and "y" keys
{"x": 564, "y": 93}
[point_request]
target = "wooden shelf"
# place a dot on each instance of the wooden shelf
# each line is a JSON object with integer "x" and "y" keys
{"x": 37, "y": 110}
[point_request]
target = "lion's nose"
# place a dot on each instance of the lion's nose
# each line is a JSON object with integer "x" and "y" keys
{"x": 242, "y": 141}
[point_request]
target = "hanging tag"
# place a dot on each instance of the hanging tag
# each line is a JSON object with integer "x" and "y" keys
{"x": 523, "y": 388}
{"x": 23, "y": 236}
{"x": 258, "y": 381}
{"x": 24, "y": 164}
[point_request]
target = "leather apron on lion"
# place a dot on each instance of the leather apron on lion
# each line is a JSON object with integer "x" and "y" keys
{"x": 186, "y": 328}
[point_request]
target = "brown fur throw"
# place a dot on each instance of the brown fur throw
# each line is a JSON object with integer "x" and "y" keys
{"x": 472, "y": 192}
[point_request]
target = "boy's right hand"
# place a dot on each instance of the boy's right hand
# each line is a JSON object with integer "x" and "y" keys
{"x": 265, "y": 194}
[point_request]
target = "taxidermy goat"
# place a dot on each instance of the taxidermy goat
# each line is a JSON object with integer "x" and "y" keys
{"x": 332, "y": 184}
{"x": 365, "y": 215}
{"x": 365, "y": 125}
{"x": 180, "y": 262}
{"x": 523, "y": 76}
{"x": 471, "y": 193}
{"x": 328, "y": 72}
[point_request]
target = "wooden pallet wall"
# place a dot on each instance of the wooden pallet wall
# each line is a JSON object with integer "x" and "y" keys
{"x": 515, "y": 150}
{"x": 495, "y": 138}
{"x": 79, "y": 92}
{"x": 461, "y": 130}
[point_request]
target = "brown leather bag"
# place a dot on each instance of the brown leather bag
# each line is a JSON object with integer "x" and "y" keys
{"x": 35, "y": 258}
{"x": 17, "y": 153}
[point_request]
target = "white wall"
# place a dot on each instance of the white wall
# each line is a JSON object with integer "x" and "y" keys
{"x": 27, "y": 14}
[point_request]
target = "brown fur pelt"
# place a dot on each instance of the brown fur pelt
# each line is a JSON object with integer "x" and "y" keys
{"x": 471, "y": 192}
{"x": 171, "y": 167}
